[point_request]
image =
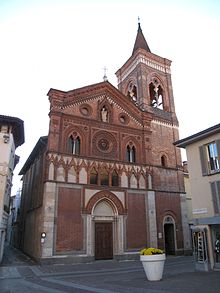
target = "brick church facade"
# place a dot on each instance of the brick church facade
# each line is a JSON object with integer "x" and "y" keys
{"x": 107, "y": 179}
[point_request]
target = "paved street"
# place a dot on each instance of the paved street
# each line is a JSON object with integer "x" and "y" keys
{"x": 20, "y": 274}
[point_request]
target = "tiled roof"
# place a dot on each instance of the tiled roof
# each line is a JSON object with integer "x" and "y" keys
{"x": 40, "y": 145}
{"x": 140, "y": 42}
{"x": 197, "y": 136}
{"x": 17, "y": 128}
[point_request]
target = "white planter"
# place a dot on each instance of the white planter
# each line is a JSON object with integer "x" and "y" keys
{"x": 153, "y": 266}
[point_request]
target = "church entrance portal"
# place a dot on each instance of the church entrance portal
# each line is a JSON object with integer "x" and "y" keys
{"x": 169, "y": 235}
{"x": 103, "y": 241}
{"x": 169, "y": 239}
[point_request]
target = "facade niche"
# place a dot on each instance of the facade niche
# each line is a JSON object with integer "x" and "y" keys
{"x": 104, "y": 114}
{"x": 115, "y": 179}
{"x": 93, "y": 176}
{"x": 163, "y": 161}
{"x": 104, "y": 179}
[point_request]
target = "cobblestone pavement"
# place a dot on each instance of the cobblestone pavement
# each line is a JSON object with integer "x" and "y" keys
{"x": 103, "y": 277}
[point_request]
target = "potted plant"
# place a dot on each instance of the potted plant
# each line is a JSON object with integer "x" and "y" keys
{"x": 153, "y": 262}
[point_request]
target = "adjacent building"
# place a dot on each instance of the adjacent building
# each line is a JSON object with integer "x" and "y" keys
{"x": 203, "y": 155}
{"x": 13, "y": 220}
{"x": 11, "y": 136}
{"x": 107, "y": 180}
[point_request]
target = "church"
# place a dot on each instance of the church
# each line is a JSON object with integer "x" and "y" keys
{"x": 108, "y": 180}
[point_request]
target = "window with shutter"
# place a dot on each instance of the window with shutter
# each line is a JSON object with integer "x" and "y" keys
{"x": 210, "y": 157}
{"x": 218, "y": 192}
{"x": 213, "y": 160}
{"x": 215, "y": 190}
{"x": 203, "y": 160}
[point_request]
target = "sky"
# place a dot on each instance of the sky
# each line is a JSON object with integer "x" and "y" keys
{"x": 65, "y": 44}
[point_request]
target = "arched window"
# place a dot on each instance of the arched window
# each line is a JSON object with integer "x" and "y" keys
{"x": 115, "y": 180}
{"x": 163, "y": 161}
{"x": 93, "y": 176}
{"x": 74, "y": 145}
{"x": 156, "y": 94}
{"x": 131, "y": 154}
{"x": 132, "y": 92}
{"x": 104, "y": 180}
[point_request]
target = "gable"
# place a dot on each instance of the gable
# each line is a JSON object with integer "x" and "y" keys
{"x": 96, "y": 101}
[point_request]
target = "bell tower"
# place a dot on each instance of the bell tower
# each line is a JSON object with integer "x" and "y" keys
{"x": 145, "y": 78}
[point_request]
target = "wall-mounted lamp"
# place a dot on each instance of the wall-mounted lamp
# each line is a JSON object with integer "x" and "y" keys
{"x": 43, "y": 236}
{"x": 6, "y": 138}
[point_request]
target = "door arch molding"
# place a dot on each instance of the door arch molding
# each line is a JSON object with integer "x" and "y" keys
{"x": 104, "y": 194}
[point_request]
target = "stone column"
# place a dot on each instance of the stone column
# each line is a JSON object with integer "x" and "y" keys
{"x": 89, "y": 236}
{"x": 152, "y": 223}
{"x": 185, "y": 225}
{"x": 47, "y": 246}
{"x": 120, "y": 234}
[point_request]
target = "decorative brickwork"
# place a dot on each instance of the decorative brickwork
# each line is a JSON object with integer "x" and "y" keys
{"x": 110, "y": 159}
{"x": 105, "y": 194}
{"x": 104, "y": 144}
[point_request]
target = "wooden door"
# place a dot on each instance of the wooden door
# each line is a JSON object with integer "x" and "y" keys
{"x": 169, "y": 239}
{"x": 103, "y": 241}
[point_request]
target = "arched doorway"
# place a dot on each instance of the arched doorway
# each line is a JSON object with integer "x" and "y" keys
{"x": 169, "y": 235}
{"x": 103, "y": 215}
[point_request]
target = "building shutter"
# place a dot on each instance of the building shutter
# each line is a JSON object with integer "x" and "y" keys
{"x": 218, "y": 149}
{"x": 218, "y": 194}
{"x": 203, "y": 160}
{"x": 214, "y": 197}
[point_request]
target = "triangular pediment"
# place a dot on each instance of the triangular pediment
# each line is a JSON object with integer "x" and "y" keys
{"x": 102, "y": 94}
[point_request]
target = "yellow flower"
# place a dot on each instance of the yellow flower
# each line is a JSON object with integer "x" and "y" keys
{"x": 151, "y": 251}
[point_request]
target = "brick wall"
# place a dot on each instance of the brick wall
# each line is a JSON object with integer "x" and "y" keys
{"x": 69, "y": 220}
{"x": 169, "y": 204}
{"x": 136, "y": 221}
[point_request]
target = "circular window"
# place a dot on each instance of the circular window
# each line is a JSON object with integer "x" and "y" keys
{"x": 104, "y": 143}
{"x": 85, "y": 110}
{"x": 123, "y": 118}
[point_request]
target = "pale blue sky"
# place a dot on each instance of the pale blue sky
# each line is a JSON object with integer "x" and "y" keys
{"x": 65, "y": 44}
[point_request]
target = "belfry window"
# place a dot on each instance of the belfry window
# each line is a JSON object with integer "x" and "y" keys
{"x": 132, "y": 92}
{"x": 130, "y": 154}
{"x": 156, "y": 94}
{"x": 74, "y": 145}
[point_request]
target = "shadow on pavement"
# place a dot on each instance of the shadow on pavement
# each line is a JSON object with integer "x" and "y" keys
{"x": 14, "y": 257}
